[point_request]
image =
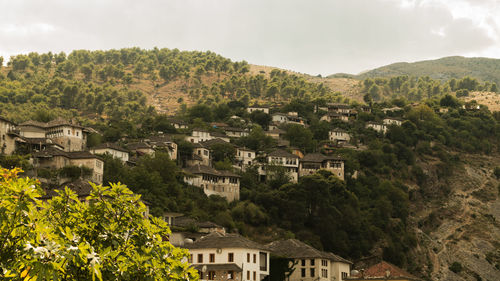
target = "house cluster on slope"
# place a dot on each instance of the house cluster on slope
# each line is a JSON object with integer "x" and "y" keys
{"x": 218, "y": 255}
{"x": 60, "y": 143}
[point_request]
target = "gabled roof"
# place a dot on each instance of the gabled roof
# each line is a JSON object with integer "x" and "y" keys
{"x": 202, "y": 169}
{"x": 109, "y": 145}
{"x": 80, "y": 187}
{"x": 138, "y": 145}
{"x": 387, "y": 271}
{"x": 51, "y": 124}
{"x": 211, "y": 142}
{"x": 282, "y": 153}
{"x": 183, "y": 221}
{"x": 318, "y": 158}
{"x": 295, "y": 249}
{"x": 177, "y": 121}
{"x": 218, "y": 135}
{"x": 217, "y": 240}
{"x": 52, "y": 152}
{"x": 338, "y": 130}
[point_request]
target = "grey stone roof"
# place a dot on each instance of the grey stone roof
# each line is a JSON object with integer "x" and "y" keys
{"x": 318, "y": 157}
{"x": 110, "y": 146}
{"x": 211, "y": 142}
{"x": 282, "y": 153}
{"x": 51, "y": 152}
{"x": 80, "y": 187}
{"x": 202, "y": 169}
{"x": 7, "y": 120}
{"x": 184, "y": 221}
{"x": 295, "y": 249}
{"x": 217, "y": 240}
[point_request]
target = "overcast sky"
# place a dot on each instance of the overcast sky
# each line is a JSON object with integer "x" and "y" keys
{"x": 310, "y": 36}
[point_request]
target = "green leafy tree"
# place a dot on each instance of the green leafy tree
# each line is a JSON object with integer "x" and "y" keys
{"x": 105, "y": 238}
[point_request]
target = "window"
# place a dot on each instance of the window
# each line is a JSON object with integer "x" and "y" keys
{"x": 263, "y": 261}
{"x": 69, "y": 132}
{"x": 303, "y": 262}
{"x": 230, "y": 274}
{"x": 254, "y": 258}
{"x": 254, "y": 276}
{"x": 248, "y": 259}
{"x": 77, "y": 133}
{"x": 230, "y": 257}
{"x": 248, "y": 274}
{"x": 211, "y": 275}
{"x": 200, "y": 258}
{"x": 211, "y": 258}
{"x": 303, "y": 272}
{"x": 312, "y": 272}
{"x": 249, "y": 154}
{"x": 324, "y": 273}
{"x": 312, "y": 262}
{"x": 344, "y": 275}
{"x": 324, "y": 263}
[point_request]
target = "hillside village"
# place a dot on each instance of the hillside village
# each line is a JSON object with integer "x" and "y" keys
{"x": 59, "y": 156}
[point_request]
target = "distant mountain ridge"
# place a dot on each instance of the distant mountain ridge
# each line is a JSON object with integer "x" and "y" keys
{"x": 486, "y": 69}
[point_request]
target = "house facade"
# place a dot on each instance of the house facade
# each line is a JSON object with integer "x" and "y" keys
{"x": 220, "y": 256}
{"x": 214, "y": 182}
{"x": 285, "y": 159}
{"x": 244, "y": 157}
{"x": 313, "y": 162}
{"x": 310, "y": 264}
{"x": 57, "y": 159}
{"x": 379, "y": 127}
{"x": 339, "y": 136}
{"x": 7, "y": 136}
{"x": 235, "y": 132}
{"x": 111, "y": 149}
{"x": 264, "y": 109}
{"x": 69, "y": 135}
{"x": 393, "y": 121}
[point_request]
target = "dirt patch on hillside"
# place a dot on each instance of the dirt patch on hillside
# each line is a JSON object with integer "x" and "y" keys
{"x": 490, "y": 99}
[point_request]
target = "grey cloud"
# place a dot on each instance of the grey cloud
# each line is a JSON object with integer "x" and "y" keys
{"x": 314, "y": 37}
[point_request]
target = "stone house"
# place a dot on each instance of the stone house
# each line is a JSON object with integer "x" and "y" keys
{"x": 313, "y": 162}
{"x": 111, "y": 149}
{"x": 219, "y": 256}
{"x": 310, "y": 264}
{"x": 393, "y": 121}
{"x": 383, "y": 271}
{"x": 244, "y": 157}
{"x": 284, "y": 159}
{"x": 262, "y": 108}
{"x": 57, "y": 159}
{"x": 235, "y": 132}
{"x": 8, "y": 136}
{"x": 214, "y": 182}
{"x": 379, "y": 127}
{"x": 339, "y": 136}
{"x": 67, "y": 134}
{"x": 163, "y": 142}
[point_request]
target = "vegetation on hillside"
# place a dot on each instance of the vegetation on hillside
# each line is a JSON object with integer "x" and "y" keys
{"x": 485, "y": 69}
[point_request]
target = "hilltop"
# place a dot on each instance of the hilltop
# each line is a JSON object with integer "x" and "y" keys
{"x": 485, "y": 69}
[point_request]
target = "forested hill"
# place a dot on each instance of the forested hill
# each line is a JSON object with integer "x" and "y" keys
{"x": 485, "y": 69}
{"x": 129, "y": 80}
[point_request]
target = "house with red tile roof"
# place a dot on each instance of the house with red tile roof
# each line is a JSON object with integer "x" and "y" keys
{"x": 383, "y": 271}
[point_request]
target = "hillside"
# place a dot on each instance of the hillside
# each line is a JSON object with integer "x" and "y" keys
{"x": 485, "y": 69}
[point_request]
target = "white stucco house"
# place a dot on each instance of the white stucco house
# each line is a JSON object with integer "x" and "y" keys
{"x": 310, "y": 264}
{"x": 219, "y": 256}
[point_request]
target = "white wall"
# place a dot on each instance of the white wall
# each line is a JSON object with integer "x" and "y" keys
{"x": 240, "y": 259}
